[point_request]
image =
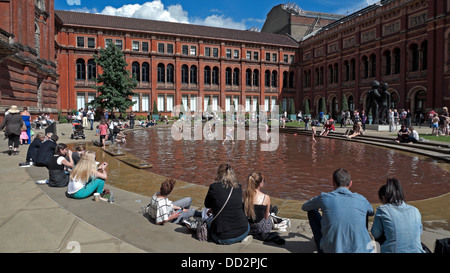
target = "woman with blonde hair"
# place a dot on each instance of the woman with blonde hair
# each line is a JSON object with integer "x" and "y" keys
{"x": 258, "y": 209}
{"x": 257, "y": 205}
{"x": 224, "y": 198}
{"x": 86, "y": 178}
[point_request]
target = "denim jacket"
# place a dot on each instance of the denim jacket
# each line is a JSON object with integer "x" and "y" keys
{"x": 402, "y": 227}
{"x": 344, "y": 217}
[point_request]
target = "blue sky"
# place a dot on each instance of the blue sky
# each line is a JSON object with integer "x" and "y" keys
{"x": 238, "y": 14}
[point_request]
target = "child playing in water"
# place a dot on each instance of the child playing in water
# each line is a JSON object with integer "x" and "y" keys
{"x": 313, "y": 129}
{"x": 229, "y": 135}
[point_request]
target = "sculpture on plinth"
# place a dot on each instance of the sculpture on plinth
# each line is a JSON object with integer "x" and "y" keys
{"x": 378, "y": 102}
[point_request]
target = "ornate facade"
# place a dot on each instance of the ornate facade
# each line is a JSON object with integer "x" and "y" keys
{"x": 404, "y": 43}
{"x": 46, "y": 58}
{"x": 27, "y": 55}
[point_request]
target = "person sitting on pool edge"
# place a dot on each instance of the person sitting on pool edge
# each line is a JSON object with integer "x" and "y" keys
{"x": 342, "y": 227}
{"x": 86, "y": 178}
{"x": 163, "y": 210}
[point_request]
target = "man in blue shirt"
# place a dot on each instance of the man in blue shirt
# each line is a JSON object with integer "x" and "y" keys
{"x": 342, "y": 227}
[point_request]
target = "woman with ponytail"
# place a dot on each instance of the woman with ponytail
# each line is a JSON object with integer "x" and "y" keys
{"x": 397, "y": 226}
{"x": 257, "y": 205}
{"x": 224, "y": 198}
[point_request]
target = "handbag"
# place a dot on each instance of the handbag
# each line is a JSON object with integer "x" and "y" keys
{"x": 280, "y": 224}
{"x": 442, "y": 246}
{"x": 202, "y": 229}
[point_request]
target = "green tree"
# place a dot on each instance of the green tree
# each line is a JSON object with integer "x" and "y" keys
{"x": 306, "y": 107}
{"x": 155, "y": 108}
{"x": 323, "y": 106}
{"x": 116, "y": 83}
{"x": 344, "y": 103}
{"x": 291, "y": 107}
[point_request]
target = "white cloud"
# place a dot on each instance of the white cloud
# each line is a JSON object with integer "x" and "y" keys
{"x": 150, "y": 10}
{"x": 220, "y": 21}
{"x": 155, "y": 10}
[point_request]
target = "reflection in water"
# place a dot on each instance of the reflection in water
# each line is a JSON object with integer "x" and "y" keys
{"x": 298, "y": 169}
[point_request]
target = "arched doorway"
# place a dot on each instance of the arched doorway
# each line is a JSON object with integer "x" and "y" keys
{"x": 416, "y": 98}
{"x": 333, "y": 104}
{"x": 419, "y": 101}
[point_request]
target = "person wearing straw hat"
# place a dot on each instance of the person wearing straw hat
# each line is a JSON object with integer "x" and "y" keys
{"x": 13, "y": 123}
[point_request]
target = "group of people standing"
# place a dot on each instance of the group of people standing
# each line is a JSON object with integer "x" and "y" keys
{"x": 17, "y": 128}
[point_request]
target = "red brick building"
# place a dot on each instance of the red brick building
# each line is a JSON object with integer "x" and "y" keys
{"x": 402, "y": 42}
{"x": 46, "y": 58}
{"x": 28, "y": 72}
{"x": 176, "y": 63}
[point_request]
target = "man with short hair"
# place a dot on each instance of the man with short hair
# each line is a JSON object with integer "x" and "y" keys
{"x": 342, "y": 227}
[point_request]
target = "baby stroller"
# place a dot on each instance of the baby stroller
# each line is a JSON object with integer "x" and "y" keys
{"x": 78, "y": 131}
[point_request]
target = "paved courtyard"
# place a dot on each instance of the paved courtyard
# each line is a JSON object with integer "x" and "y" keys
{"x": 37, "y": 218}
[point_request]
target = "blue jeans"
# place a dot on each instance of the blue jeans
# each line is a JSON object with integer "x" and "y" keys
{"x": 227, "y": 241}
{"x": 92, "y": 124}
{"x": 184, "y": 203}
{"x": 95, "y": 185}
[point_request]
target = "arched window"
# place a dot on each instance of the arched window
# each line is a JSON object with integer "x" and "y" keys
{"x": 215, "y": 76}
{"x": 170, "y": 74}
{"x": 336, "y": 73}
{"x": 193, "y": 73}
{"x": 256, "y": 77}
{"x": 346, "y": 71}
{"x": 424, "y": 51}
{"x": 351, "y": 103}
{"x": 92, "y": 69}
{"x": 365, "y": 61}
{"x": 291, "y": 79}
{"x": 267, "y": 78}
{"x": 321, "y": 76}
{"x": 285, "y": 79}
{"x": 414, "y": 50}
{"x": 352, "y": 69}
{"x": 330, "y": 74}
{"x": 248, "y": 77}
{"x": 419, "y": 100}
{"x": 228, "y": 75}
{"x": 397, "y": 59}
{"x": 161, "y": 76}
{"x": 373, "y": 63}
{"x": 334, "y": 107}
{"x": 184, "y": 74}
{"x": 236, "y": 76}
{"x": 145, "y": 72}
{"x": 207, "y": 75}
{"x": 394, "y": 100}
{"x": 316, "y": 76}
{"x": 387, "y": 62}
{"x": 274, "y": 79}
{"x": 81, "y": 69}
{"x": 135, "y": 71}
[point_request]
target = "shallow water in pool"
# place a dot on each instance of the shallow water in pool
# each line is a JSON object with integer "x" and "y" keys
{"x": 299, "y": 169}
